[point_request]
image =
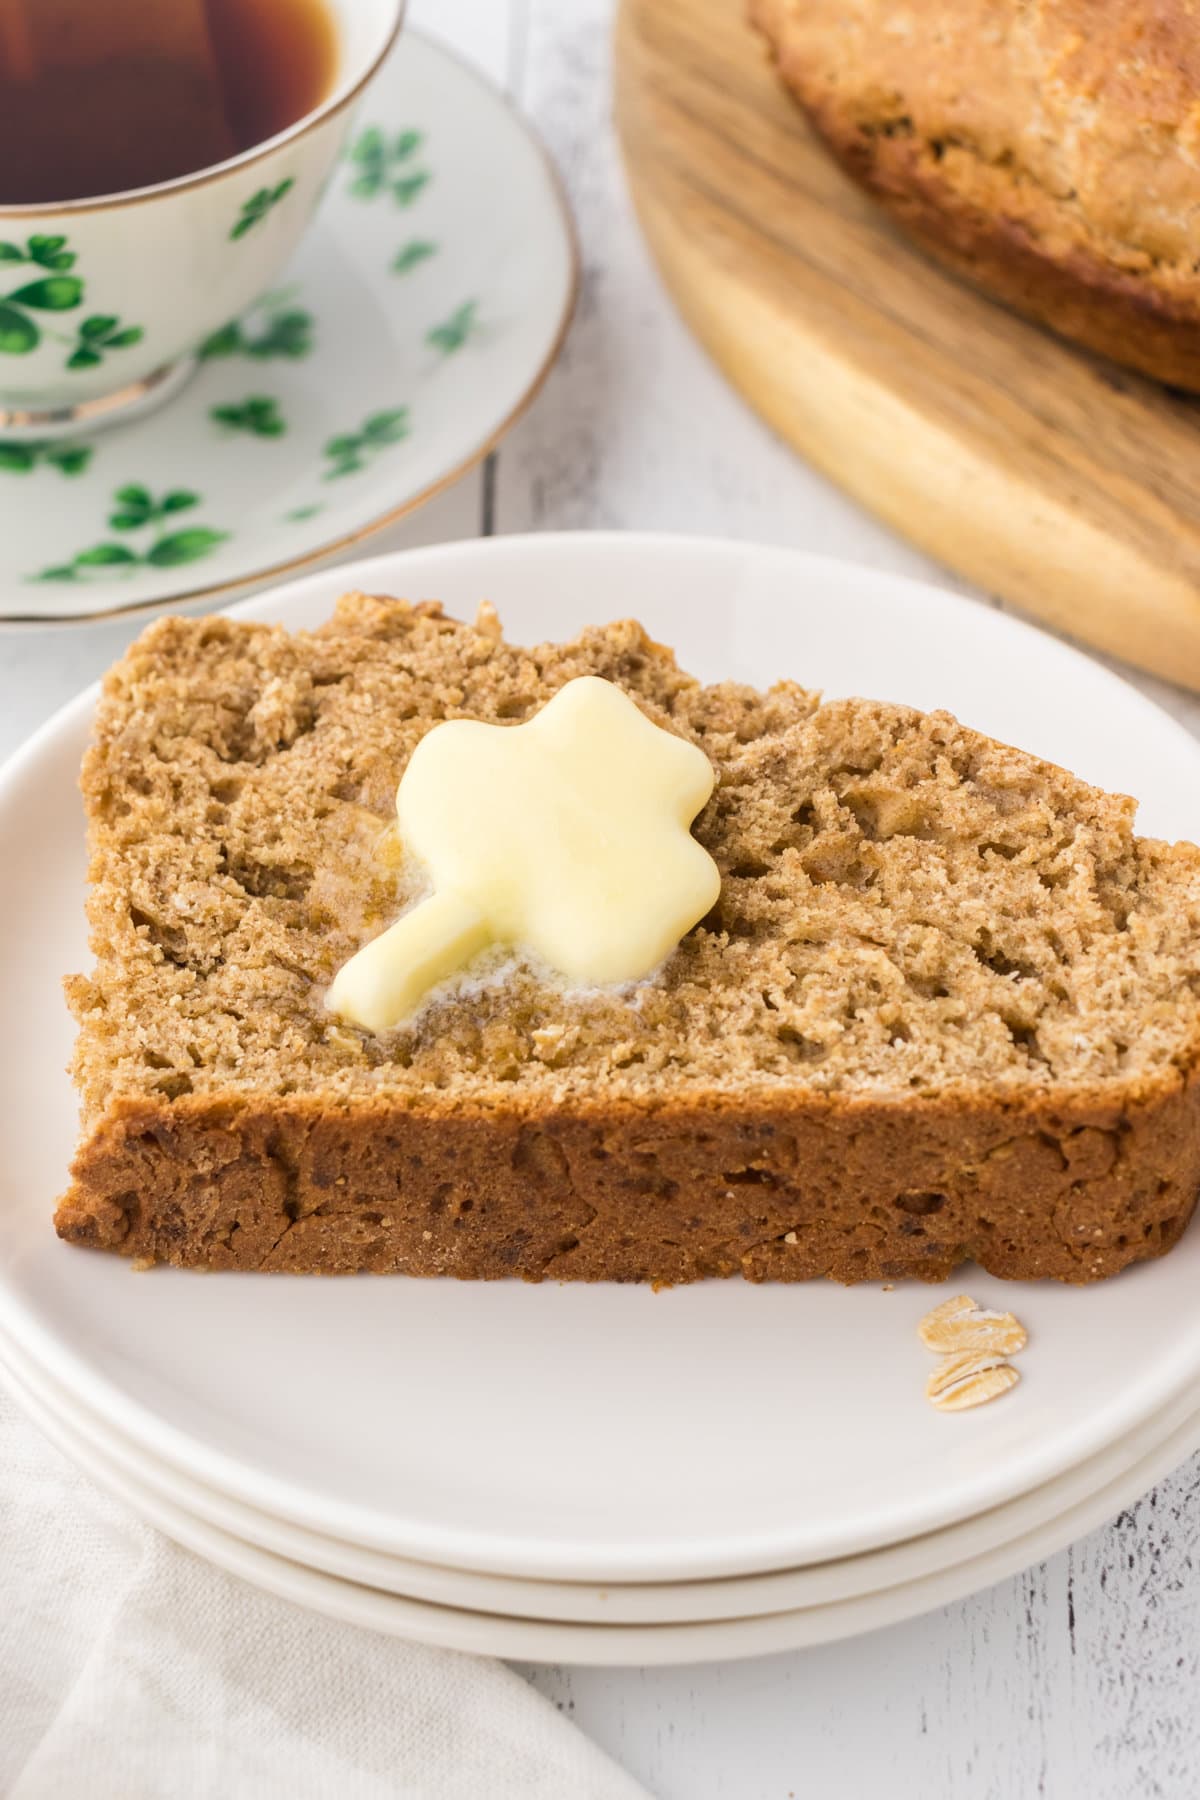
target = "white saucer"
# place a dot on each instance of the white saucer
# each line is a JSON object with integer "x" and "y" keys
{"x": 607, "y": 1433}
{"x": 734, "y": 1597}
{"x": 415, "y": 322}
{"x": 549, "y": 1640}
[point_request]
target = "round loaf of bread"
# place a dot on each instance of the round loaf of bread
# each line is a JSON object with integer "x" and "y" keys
{"x": 1048, "y": 150}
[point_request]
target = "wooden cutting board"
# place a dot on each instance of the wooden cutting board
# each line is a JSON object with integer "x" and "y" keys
{"x": 1044, "y": 475}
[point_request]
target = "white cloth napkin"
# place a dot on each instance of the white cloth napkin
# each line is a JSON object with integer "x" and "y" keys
{"x": 130, "y": 1669}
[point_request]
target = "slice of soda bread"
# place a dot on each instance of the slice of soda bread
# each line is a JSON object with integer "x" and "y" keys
{"x": 946, "y": 1007}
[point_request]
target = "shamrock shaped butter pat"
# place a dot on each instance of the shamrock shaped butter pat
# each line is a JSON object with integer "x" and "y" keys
{"x": 567, "y": 836}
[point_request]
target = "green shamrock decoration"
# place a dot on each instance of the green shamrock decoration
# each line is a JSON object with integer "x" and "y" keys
{"x": 46, "y": 252}
{"x": 68, "y": 459}
{"x": 134, "y": 509}
{"x": 258, "y": 415}
{"x": 135, "y": 506}
{"x": 460, "y": 326}
{"x": 226, "y": 341}
{"x": 351, "y": 451}
{"x": 405, "y": 191}
{"x": 378, "y": 162}
{"x": 417, "y": 251}
{"x": 55, "y": 292}
{"x": 100, "y": 333}
{"x": 285, "y": 333}
{"x": 19, "y": 334}
{"x": 299, "y": 513}
{"x": 259, "y": 205}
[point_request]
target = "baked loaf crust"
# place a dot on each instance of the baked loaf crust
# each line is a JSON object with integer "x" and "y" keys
{"x": 947, "y": 1005}
{"x": 1048, "y": 150}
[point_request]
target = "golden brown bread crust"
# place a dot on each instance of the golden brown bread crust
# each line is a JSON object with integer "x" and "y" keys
{"x": 1048, "y": 151}
{"x": 774, "y": 1192}
{"x": 947, "y": 1005}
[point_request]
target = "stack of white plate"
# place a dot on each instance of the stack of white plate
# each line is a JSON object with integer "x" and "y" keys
{"x": 594, "y": 1474}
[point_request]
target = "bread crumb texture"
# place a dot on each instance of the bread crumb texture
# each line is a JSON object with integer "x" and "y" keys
{"x": 946, "y": 1004}
{"x": 1046, "y": 148}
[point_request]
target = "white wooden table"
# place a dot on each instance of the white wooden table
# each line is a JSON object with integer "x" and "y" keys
{"x": 1077, "y": 1679}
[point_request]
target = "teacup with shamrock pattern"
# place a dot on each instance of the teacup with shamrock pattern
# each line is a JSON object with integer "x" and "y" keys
{"x": 103, "y": 300}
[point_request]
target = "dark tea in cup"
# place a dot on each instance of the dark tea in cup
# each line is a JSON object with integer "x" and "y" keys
{"x": 100, "y": 96}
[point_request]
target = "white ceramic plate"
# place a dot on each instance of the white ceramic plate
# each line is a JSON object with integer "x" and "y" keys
{"x": 645, "y": 1603}
{"x": 548, "y": 1640}
{"x": 590, "y": 1433}
{"x": 416, "y": 319}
